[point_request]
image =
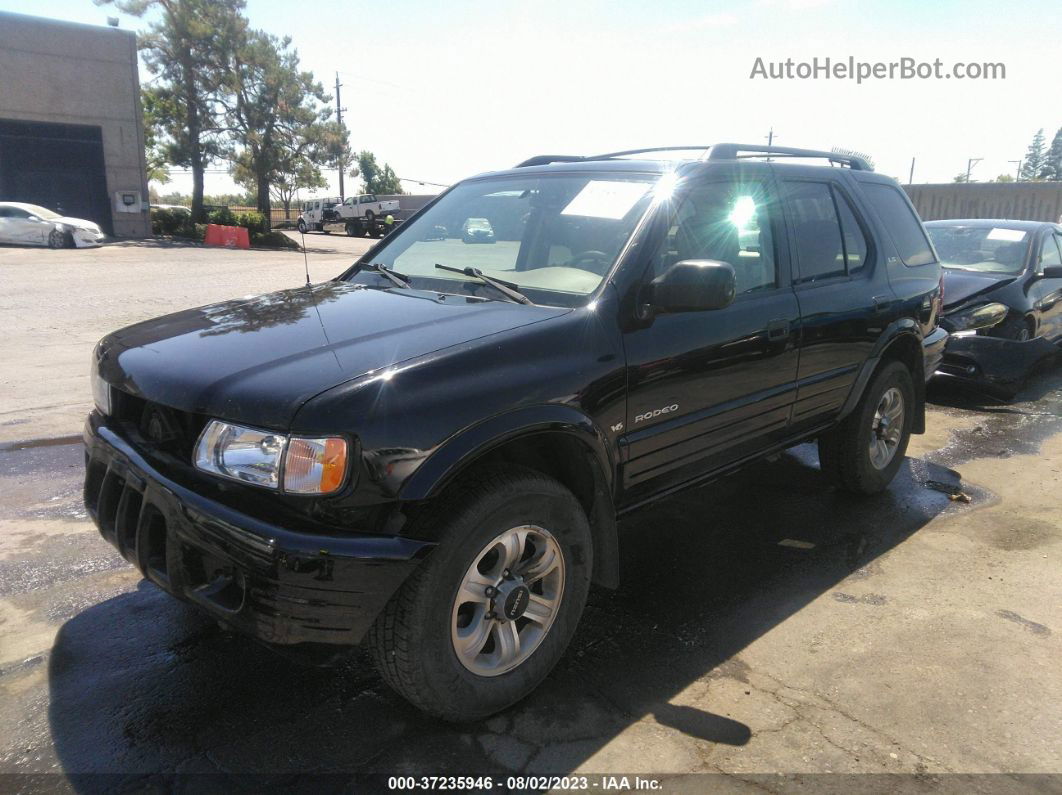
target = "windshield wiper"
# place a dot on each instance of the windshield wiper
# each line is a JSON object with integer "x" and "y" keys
{"x": 508, "y": 289}
{"x": 398, "y": 279}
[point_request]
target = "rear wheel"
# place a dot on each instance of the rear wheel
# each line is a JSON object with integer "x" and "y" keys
{"x": 369, "y": 215}
{"x": 483, "y": 621}
{"x": 864, "y": 452}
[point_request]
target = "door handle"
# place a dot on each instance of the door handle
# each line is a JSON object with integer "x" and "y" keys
{"x": 778, "y": 330}
{"x": 882, "y": 302}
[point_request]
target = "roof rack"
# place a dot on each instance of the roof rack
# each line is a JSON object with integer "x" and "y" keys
{"x": 541, "y": 160}
{"x": 733, "y": 152}
{"x": 715, "y": 152}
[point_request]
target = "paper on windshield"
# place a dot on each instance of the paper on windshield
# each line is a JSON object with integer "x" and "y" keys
{"x": 1009, "y": 235}
{"x": 603, "y": 199}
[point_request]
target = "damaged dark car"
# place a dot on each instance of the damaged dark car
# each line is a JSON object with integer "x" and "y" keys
{"x": 1002, "y": 298}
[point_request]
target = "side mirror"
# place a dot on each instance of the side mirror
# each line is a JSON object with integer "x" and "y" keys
{"x": 692, "y": 285}
{"x": 1052, "y": 272}
{"x": 33, "y": 218}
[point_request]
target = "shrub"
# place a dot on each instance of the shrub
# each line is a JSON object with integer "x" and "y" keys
{"x": 272, "y": 240}
{"x": 222, "y": 216}
{"x": 253, "y": 221}
{"x": 167, "y": 221}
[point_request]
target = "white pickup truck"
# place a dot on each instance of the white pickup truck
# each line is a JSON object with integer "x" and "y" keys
{"x": 316, "y": 213}
{"x": 366, "y": 206}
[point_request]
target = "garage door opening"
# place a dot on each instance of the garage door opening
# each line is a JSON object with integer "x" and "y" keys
{"x": 58, "y": 166}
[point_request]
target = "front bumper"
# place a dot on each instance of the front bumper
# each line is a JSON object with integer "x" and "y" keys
{"x": 275, "y": 584}
{"x": 993, "y": 361}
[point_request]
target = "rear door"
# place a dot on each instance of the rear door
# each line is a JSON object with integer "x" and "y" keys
{"x": 844, "y": 296}
{"x": 708, "y": 388}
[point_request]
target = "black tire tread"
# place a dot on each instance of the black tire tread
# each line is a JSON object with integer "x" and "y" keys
{"x": 392, "y": 639}
{"x": 839, "y": 449}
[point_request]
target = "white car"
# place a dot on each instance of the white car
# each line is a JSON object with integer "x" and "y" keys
{"x": 31, "y": 225}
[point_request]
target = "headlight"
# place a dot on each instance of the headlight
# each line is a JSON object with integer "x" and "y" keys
{"x": 101, "y": 391}
{"x": 272, "y": 460}
{"x": 978, "y": 317}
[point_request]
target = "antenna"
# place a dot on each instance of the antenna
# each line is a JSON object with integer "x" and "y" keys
{"x": 305, "y": 259}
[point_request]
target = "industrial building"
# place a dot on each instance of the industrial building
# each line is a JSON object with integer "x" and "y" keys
{"x": 71, "y": 127}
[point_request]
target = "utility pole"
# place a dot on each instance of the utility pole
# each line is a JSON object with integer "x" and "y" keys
{"x": 1017, "y": 175}
{"x": 973, "y": 161}
{"x": 770, "y": 141}
{"x": 339, "y": 118}
{"x": 910, "y": 178}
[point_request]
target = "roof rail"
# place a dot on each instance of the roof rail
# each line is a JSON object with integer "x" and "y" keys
{"x": 733, "y": 152}
{"x": 542, "y": 160}
{"x": 715, "y": 152}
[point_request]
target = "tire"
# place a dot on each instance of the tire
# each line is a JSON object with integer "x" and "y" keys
{"x": 302, "y": 227}
{"x": 369, "y": 216}
{"x": 352, "y": 230}
{"x": 414, "y": 641}
{"x": 845, "y": 452}
{"x": 57, "y": 239}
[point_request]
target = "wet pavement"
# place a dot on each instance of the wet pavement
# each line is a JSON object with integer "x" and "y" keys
{"x": 766, "y": 624}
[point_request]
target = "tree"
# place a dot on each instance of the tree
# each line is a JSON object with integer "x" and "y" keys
{"x": 294, "y": 174}
{"x": 374, "y": 178}
{"x": 186, "y": 48}
{"x": 274, "y": 112}
{"x": 1052, "y": 169}
{"x": 1035, "y": 158}
{"x": 155, "y": 151}
{"x": 1004, "y": 178}
{"x": 961, "y": 177}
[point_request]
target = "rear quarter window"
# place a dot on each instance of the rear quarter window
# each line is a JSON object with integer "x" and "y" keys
{"x": 903, "y": 225}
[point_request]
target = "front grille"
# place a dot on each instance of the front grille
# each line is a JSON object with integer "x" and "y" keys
{"x": 159, "y": 426}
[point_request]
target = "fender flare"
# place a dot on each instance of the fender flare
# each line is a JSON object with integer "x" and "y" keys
{"x": 905, "y": 327}
{"x": 454, "y": 455}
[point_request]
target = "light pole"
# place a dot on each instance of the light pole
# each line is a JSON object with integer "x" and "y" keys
{"x": 973, "y": 161}
{"x": 1017, "y": 175}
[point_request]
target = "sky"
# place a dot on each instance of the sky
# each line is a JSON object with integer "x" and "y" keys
{"x": 442, "y": 91}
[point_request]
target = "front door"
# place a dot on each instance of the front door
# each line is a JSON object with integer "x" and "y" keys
{"x": 1047, "y": 293}
{"x": 708, "y": 388}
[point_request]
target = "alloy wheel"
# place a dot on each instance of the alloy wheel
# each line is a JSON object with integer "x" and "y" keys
{"x": 508, "y": 600}
{"x": 886, "y": 428}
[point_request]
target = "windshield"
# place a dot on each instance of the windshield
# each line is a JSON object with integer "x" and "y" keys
{"x": 984, "y": 249}
{"x": 554, "y": 237}
{"x": 41, "y": 212}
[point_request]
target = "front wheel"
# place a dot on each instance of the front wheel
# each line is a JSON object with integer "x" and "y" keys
{"x": 483, "y": 621}
{"x": 863, "y": 453}
{"x": 302, "y": 227}
{"x": 57, "y": 239}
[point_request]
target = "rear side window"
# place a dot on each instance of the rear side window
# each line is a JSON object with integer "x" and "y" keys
{"x": 911, "y": 242}
{"x": 856, "y": 249}
{"x": 816, "y": 230}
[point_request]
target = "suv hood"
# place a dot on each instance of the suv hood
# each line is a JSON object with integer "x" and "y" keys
{"x": 960, "y": 286}
{"x": 257, "y": 360}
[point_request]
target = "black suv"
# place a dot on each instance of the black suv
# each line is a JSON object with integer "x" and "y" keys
{"x": 431, "y": 451}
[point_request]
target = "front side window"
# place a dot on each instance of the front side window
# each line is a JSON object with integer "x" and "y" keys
{"x": 896, "y": 214}
{"x": 981, "y": 249}
{"x": 555, "y": 237}
{"x": 727, "y": 222}
{"x": 1050, "y": 254}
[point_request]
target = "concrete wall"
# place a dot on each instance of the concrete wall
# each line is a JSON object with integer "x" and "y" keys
{"x": 80, "y": 74}
{"x": 1027, "y": 201}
